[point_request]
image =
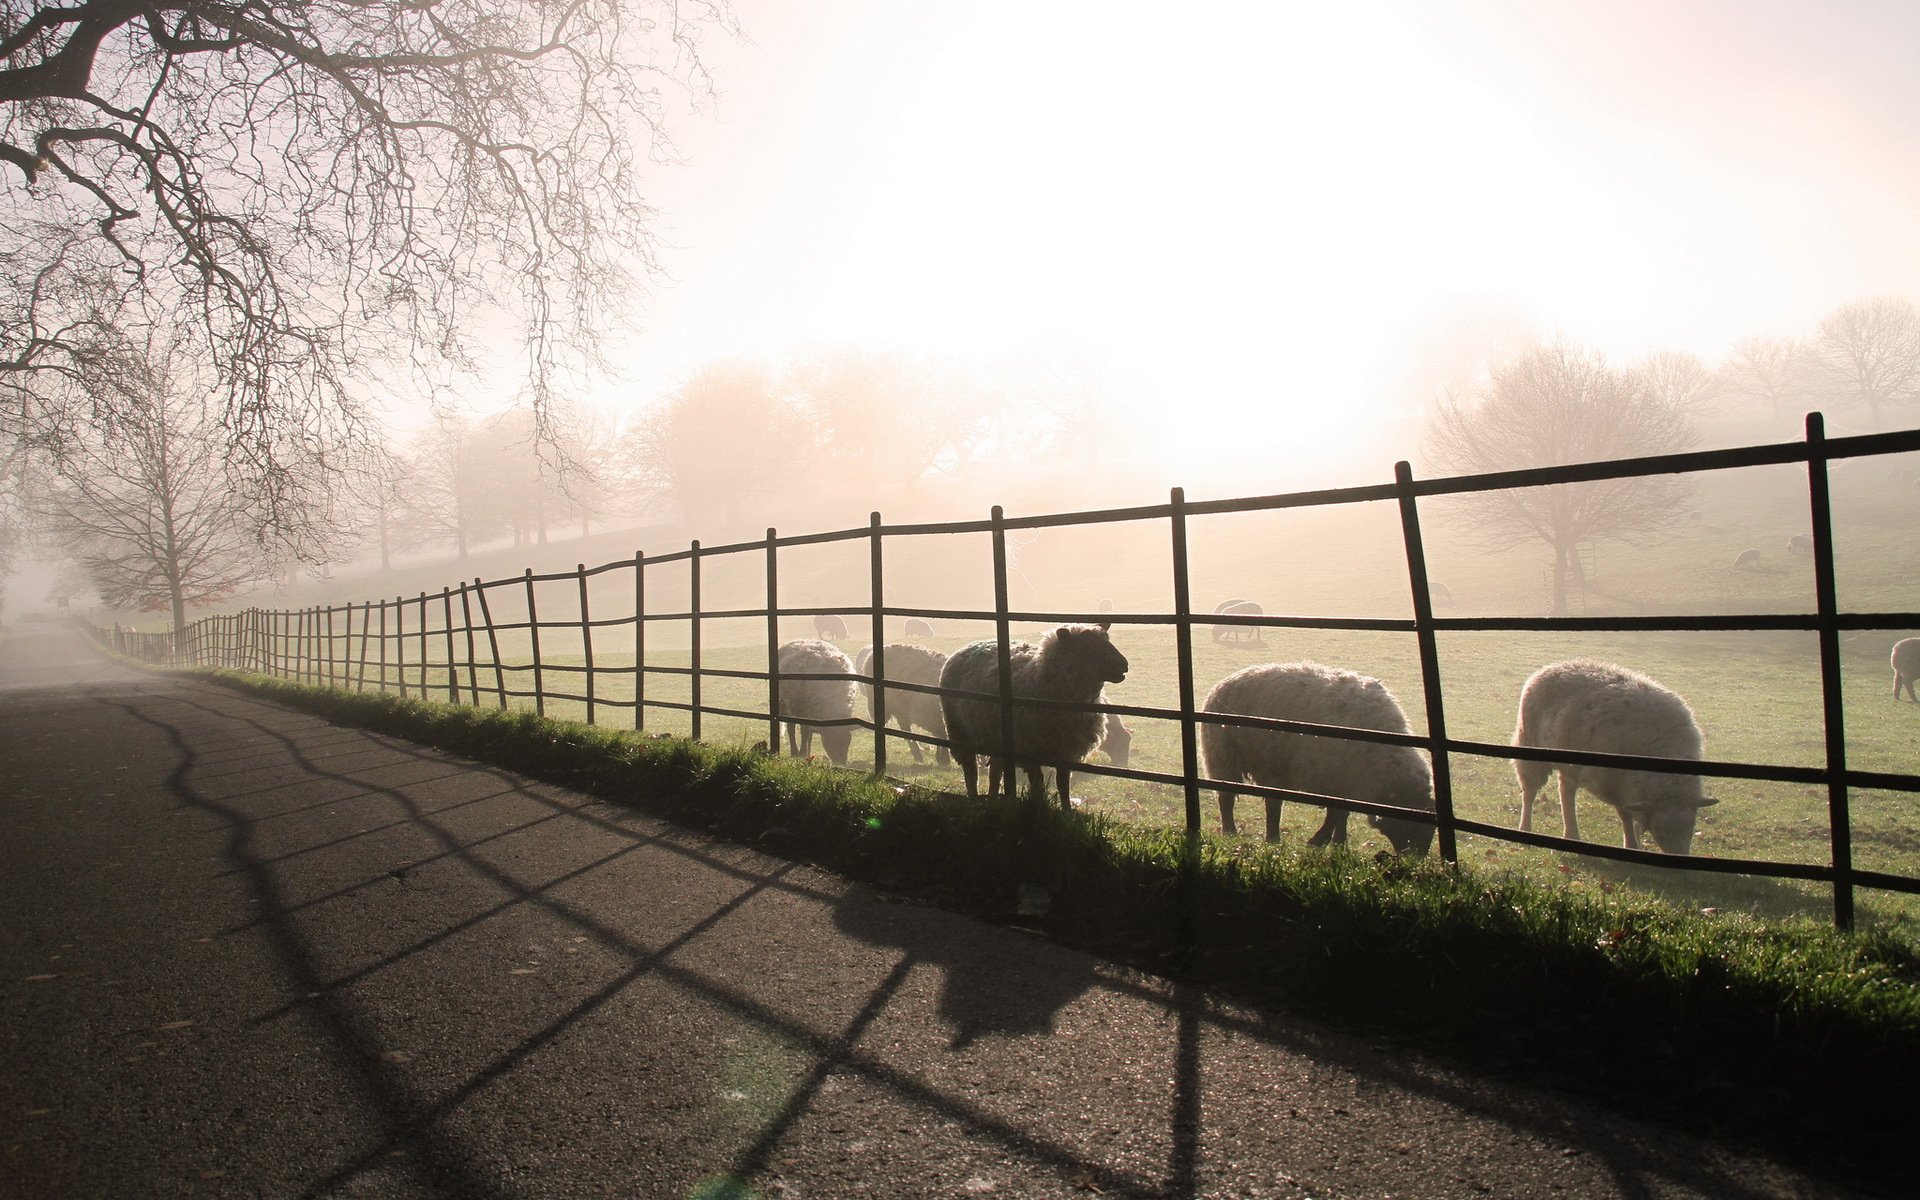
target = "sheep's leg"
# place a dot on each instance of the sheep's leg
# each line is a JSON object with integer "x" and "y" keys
{"x": 919, "y": 757}
{"x": 806, "y": 741}
{"x": 1533, "y": 776}
{"x": 1273, "y": 817}
{"x": 793, "y": 739}
{"x": 1332, "y": 829}
{"x": 970, "y": 771}
{"x": 1569, "y": 824}
{"x": 1066, "y": 797}
{"x": 1226, "y": 812}
{"x": 1036, "y": 782}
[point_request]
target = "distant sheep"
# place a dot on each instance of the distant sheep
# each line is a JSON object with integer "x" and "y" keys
{"x": 1106, "y": 606}
{"x": 829, "y": 628}
{"x": 909, "y": 664}
{"x": 1906, "y": 665}
{"x": 1439, "y": 592}
{"x": 1116, "y": 740}
{"x": 918, "y": 628}
{"x": 816, "y": 699}
{"x": 1237, "y": 608}
{"x": 1607, "y": 709}
{"x": 1371, "y": 771}
{"x": 1071, "y": 664}
{"x": 1801, "y": 544}
{"x": 1746, "y": 558}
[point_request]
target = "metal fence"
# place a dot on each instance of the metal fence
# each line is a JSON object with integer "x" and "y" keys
{"x": 421, "y": 646}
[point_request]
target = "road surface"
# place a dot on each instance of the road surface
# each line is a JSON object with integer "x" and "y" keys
{"x": 244, "y": 952}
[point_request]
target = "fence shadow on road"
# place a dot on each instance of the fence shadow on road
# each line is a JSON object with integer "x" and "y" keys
{"x": 987, "y": 991}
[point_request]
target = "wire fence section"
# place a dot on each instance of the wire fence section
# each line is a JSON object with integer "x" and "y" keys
{"x": 486, "y": 642}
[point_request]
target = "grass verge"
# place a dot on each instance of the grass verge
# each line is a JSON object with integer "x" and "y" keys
{"x": 1787, "y": 1034}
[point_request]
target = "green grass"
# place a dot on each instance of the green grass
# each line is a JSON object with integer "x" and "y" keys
{"x": 1785, "y": 1030}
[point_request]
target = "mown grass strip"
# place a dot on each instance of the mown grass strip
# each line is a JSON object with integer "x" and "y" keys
{"x": 1791, "y": 1033}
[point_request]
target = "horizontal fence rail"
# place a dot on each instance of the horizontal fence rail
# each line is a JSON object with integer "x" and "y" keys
{"x": 447, "y": 646}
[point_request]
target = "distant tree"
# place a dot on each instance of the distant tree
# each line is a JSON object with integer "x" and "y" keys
{"x": 451, "y": 492}
{"x": 144, "y": 501}
{"x": 1778, "y": 371}
{"x": 312, "y": 182}
{"x": 1555, "y": 406}
{"x": 881, "y": 422}
{"x": 724, "y": 438}
{"x": 1871, "y": 352}
{"x": 1679, "y": 380}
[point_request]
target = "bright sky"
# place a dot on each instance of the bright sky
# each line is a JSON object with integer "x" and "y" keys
{"x": 1249, "y": 211}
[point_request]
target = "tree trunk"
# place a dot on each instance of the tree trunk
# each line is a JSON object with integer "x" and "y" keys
{"x": 1559, "y": 579}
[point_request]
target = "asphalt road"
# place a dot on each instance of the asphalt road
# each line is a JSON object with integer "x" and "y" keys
{"x": 244, "y": 952}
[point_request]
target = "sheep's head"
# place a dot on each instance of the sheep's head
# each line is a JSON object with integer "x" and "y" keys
{"x": 1672, "y": 825}
{"x": 1091, "y": 650}
{"x": 1414, "y": 790}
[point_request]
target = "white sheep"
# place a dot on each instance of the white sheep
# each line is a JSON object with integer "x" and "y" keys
{"x": 909, "y": 664}
{"x": 1327, "y": 766}
{"x": 1800, "y": 544}
{"x": 918, "y": 628}
{"x": 816, "y": 699}
{"x": 1070, "y": 663}
{"x": 1906, "y": 665}
{"x": 1116, "y": 740}
{"x": 1237, "y": 608}
{"x": 1608, "y": 709}
{"x": 1746, "y": 558}
{"x": 829, "y": 627}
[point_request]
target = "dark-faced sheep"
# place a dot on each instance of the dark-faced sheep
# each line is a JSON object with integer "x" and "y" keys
{"x": 1070, "y": 664}
{"x": 909, "y": 664}
{"x": 1906, "y": 665}
{"x": 1746, "y": 558}
{"x": 803, "y": 699}
{"x": 1607, "y": 709}
{"x": 1800, "y": 544}
{"x": 1237, "y": 608}
{"x": 918, "y": 628}
{"x": 829, "y": 628}
{"x": 1375, "y": 772}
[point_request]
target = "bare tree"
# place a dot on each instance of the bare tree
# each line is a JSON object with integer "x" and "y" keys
{"x": 725, "y": 437}
{"x": 145, "y": 503}
{"x": 1871, "y": 352}
{"x": 318, "y": 182}
{"x": 1775, "y": 370}
{"x": 450, "y": 493}
{"x": 1555, "y": 406}
{"x": 1679, "y": 380}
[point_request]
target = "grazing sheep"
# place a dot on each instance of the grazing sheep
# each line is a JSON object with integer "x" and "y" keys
{"x": 1607, "y": 709}
{"x": 1106, "y": 606}
{"x": 909, "y": 664}
{"x": 1237, "y": 608}
{"x": 828, "y": 627}
{"x": 1070, "y": 664}
{"x": 1439, "y": 592}
{"x": 1747, "y": 558}
{"x": 816, "y": 699}
{"x": 1800, "y": 544}
{"x": 1372, "y": 771}
{"x": 1906, "y": 665}
{"x": 1117, "y": 740}
{"x": 918, "y": 628}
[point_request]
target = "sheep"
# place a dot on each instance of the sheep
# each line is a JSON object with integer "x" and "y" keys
{"x": 1746, "y": 558}
{"x": 1800, "y": 544}
{"x": 816, "y": 699}
{"x": 1372, "y": 771}
{"x": 828, "y": 627}
{"x": 918, "y": 628}
{"x": 1117, "y": 740}
{"x": 909, "y": 664}
{"x": 1439, "y": 592}
{"x": 1608, "y": 709}
{"x": 1237, "y": 608}
{"x": 1906, "y": 665}
{"x": 1070, "y": 663}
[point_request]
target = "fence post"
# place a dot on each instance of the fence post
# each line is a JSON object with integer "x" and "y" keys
{"x": 1839, "y": 822}
{"x": 586, "y": 636}
{"x": 1183, "y": 651}
{"x": 493, "y": 642}
{"x": 446, "y": 624}
{"x": 466, "y": 621}
{"x": 773, "y": 642}
{"x": 366, "y": 624}
{"x": 693, "y": 622}
{"x": 1003, "y": 631}
{"x": 1429, "y": 659}
{"x": 423, "y": 646}
{"x": 400, "y": 644}
{"x": 533, "y": 632}
{"x": 332, "y": 657}
{"x": 640, "y": 641}
{"x": 383, "y": 647}
{"x": 878, "y": 665}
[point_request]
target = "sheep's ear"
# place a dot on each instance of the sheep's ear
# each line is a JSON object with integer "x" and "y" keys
{"x": 1105, "y": 625}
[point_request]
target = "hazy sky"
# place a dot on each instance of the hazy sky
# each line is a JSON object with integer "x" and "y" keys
{"x": 1249, "y": 212}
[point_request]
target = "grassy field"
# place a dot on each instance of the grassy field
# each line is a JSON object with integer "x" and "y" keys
{"x": 1757, "y": 694}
